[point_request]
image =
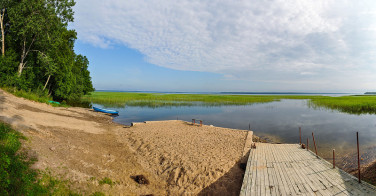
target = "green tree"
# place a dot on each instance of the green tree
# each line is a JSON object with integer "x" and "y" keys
{"x": 39, "y": 49}
{"x": 4, "y": 22}
{"x": 33, "y": 20}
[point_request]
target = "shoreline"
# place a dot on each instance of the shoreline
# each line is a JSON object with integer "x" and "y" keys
{"x": 85, "y": 147}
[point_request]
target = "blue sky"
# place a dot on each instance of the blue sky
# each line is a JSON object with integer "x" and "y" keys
{"x": 309, "y": 46}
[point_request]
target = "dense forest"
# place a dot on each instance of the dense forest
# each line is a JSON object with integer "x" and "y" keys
{"x": 37, "y": 49}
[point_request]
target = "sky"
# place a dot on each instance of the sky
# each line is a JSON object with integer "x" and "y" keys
{"x": 226, "y": 45}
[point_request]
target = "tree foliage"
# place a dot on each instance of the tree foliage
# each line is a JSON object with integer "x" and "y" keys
{"x": 39, "y": 52}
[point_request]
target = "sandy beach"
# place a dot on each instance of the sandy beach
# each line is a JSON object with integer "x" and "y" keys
{"x": 84, "y": 147}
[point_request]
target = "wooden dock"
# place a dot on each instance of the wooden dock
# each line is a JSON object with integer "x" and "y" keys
{"x": 287, "y": 169}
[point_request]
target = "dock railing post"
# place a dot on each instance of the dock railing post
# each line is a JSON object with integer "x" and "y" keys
{"x": 307, "y": 144}
{"x": 314, "y": 143}
{"x": 334, "y": 159}
{"x": 300, "y": 135}
{"x": 357, "y": 143}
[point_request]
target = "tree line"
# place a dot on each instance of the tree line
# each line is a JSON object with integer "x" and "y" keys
{"x": 37, "y": 49}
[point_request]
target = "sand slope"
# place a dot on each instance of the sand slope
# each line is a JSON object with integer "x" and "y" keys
{"x": 84, "y": 146}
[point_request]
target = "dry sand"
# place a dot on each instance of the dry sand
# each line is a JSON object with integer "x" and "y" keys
{"x": 83, "y": 146}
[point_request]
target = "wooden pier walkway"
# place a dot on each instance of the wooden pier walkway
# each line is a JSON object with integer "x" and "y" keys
{"x": 287, "y": 169}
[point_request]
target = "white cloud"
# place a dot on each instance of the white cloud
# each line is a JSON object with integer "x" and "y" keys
{"x": 282, "y": 39}
{"x": 308, "y": 73}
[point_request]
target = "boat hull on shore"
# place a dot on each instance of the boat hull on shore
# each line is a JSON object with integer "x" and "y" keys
{"x": 113, "y": 112}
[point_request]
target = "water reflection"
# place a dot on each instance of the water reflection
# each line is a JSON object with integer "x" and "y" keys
{"x": 276, "y": 120}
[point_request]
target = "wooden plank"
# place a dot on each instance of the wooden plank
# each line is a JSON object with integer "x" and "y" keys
{"x": 318, "y": 187}
{"x": 308, "y": 174}
{"x": 334, "y": 178}
{"x": 297, "y": 185}
{"x": 274, "y": 188}
{"x": 262, "y": 167}
{"x": 284, "y": 174}
{"x": 301, "y": 183}
{"x": 287, "y": 169}
{"x": 247, "y": 173}
{"x": 253, "y": 188}
{"x": 278, "y": 174}
{"x": 283, "y": 186}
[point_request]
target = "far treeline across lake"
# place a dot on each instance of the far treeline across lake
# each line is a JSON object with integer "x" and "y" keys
{"x": 37, "y": 50}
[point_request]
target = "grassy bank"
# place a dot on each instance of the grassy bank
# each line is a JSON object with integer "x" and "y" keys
{"x": 16, "y": 175}
{"x": 38, "y": 96}
{"x": 43, "y": 97}
{"x": 348, "y": 104}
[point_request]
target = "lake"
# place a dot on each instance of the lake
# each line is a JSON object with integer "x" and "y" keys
{"x": 277, "y": 121}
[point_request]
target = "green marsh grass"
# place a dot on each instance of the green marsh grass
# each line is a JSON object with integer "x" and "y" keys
{"x": 121, "y": 99}
{"x": 347, "y": 104}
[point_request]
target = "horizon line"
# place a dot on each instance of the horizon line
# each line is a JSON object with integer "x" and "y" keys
{"x": 232, "y": 92}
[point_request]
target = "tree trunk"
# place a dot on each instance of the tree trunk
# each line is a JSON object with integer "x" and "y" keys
{"x": 48, "y": 79}
{"x": 2, "y": 31}
{"x": 20, "y": 67}
{"x": 24, "y": 54}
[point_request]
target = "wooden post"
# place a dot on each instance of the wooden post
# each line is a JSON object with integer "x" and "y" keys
{"x": 307, "y": 144}
{"x": 193, "y": 121}
{"x": 300, "y": 135}
{"x": 314, "y": 143}
{"x": 249, "y": 126}
{"x": 200, "y": 123}
{"x": 357, "y": 143}
{"x": 334, "y": 159}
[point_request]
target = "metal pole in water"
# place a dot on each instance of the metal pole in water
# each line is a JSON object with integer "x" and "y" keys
{"x": 300, "y": 135}
{"x": 314, "y": 143}
{"x": 357, "y": 143}
{"x": 334, "y": 159}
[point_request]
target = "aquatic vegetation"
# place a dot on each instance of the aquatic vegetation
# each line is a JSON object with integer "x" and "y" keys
{"x": 348, "y": 104}
{"x": 121, "y": 99}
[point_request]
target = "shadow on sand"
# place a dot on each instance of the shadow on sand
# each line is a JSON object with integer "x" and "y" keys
{"x": 228, "y": 184}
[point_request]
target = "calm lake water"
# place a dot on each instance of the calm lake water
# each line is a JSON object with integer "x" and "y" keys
{"x": 278, "y": 121}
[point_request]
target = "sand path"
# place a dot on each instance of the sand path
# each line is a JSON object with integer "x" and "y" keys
{"x": 84, "y": 147}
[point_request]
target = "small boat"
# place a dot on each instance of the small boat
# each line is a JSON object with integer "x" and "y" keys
{"x": 114, "y": 112}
